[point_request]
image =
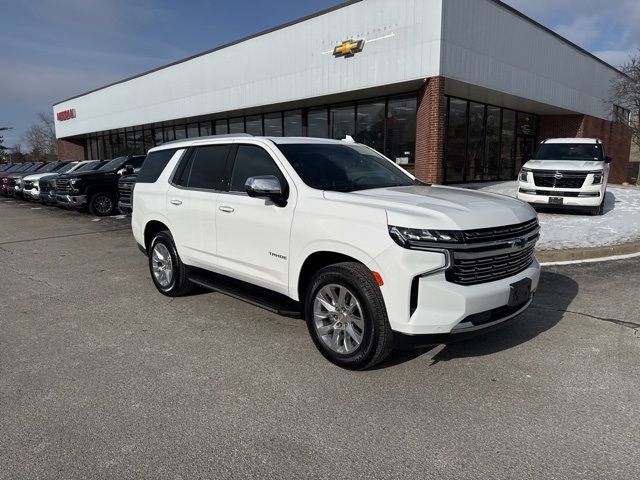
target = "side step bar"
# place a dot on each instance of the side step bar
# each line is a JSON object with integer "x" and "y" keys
{"x": 260, "y": 297}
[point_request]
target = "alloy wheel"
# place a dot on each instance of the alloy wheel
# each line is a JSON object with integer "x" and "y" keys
{"x": 338, "y": 318}
{"x": 162, "y": 265}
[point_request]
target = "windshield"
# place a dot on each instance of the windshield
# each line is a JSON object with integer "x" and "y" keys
{"x": 66, "y": 167}
{"x": 88, "y": 167}
{"x": 113, "y": 165}
{"x": 569, "y": 151}
{"x": 343, "y": 168}
{"x": 50, "y": 167}
{"x": 33, "y": 167}
{"x": 6, "y": 167}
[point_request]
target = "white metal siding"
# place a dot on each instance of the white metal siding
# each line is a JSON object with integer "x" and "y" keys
{"x": 487, "y": 45}
{"x": 281, "y": 66}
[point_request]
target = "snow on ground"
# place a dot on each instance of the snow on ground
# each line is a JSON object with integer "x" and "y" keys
{"x": 562, "y": 229}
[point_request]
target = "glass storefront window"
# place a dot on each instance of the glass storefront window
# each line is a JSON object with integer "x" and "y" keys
{"x": 222, "y": 127}
{"x": 492, "y": 149}
{"x": 293, "y": 123}
{"x": 527, "y": 124}
{"x": 181, "y": 132}
{"x": 508, "y": 150}
{"x": 273, "y": 124}
{"x": 475, "y": 148}
{"x": 107, "y": 150}
{"x": 236, "y": 125}
{"x": 138, "y": 147}
{"x": 157, "y": 137}
{"x": 318, "y": 123}
{"x": 205, "y": 129}
{"x": 401, "y": 130}
{"x": 342, "y": 121}
{"x": 169, "y": 134}
{"x": 456, "y": 140}
{"x": 148, "y": 140}
{"x": 192, "y": 130}
{"x": 254, "y": 125}
{"x": 370, "y": 124}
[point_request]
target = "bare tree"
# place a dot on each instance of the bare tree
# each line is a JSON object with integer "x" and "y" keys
{"x": 41, "y": 138}
{"x": 625, "y": 93}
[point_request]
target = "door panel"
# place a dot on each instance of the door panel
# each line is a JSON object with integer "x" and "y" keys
{"x": 253, "y": 233}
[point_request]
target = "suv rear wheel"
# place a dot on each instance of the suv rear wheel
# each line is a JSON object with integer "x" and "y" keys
{"x": 168, "y": 273}
{"x": 102, "y": 204}
{"x": 346, "y": 316}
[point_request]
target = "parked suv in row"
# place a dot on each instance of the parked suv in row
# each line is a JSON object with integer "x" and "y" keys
{"x": 337, "y": 233}
{"x": 96, "y": 190}
{"x": 567, "y": 172}
{"x": 12, "y": 180}
{"x": 47, "y": 184}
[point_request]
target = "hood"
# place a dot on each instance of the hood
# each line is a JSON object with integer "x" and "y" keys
{"x": 575, "y": 165}
{"x": 37, "y": 176}
{"x": 440, "y": 207}
{"x": 86, "y": 174}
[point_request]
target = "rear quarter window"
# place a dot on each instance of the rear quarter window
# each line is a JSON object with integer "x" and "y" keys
{"x": 154, "y": 164}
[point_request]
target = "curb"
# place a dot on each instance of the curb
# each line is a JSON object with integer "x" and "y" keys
{"x": 578, "y": 254}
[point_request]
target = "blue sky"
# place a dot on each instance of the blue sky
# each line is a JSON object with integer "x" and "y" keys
{"x": 54, "y": 49}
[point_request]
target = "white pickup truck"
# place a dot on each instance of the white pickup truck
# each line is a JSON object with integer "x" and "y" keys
{"x": 566, "y": 172}
{"x": 336, "y": 233}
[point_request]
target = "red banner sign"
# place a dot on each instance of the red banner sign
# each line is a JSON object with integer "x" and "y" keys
{"x": 66, "y": 115}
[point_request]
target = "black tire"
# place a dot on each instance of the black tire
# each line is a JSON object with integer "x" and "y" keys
{"x": 180, "y": 284}
{"x": 597, "y": 211}
{"x": 102, "y": 204}
{"x": 377, "y": 337}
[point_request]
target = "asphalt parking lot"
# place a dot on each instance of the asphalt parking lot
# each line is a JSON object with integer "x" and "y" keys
{"x": 102, "y": 377}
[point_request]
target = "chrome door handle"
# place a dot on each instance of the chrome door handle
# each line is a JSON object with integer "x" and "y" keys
{"x": 226, "y": 208}
{"x": 176, "y": 202}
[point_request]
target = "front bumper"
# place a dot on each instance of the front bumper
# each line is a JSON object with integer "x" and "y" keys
{"x": 125, "y": 208}
{"x": 73, "y": 201}
{"x": 591, "y": 196}
{"x": 32, "y": 194}
{"x": 14, "y": 191}
{"x": 439, "y": 306}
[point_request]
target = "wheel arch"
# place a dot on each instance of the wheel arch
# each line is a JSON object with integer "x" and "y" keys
{"x": 151, "y": 229}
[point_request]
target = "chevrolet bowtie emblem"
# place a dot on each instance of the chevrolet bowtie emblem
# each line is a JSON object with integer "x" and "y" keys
{"x": 348, "y": 48}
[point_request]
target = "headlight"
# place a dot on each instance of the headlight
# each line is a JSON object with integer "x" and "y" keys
{"x": 417, "y": 238}
{"x": 18, "y": 181}
{"x": 523, "y": 174}
{"x": 74, "y": 181}
{"x": 597, "y": 177}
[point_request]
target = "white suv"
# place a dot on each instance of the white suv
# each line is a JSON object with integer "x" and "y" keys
{"x": 336, "y": 233}
{"x": 571, "y": 172}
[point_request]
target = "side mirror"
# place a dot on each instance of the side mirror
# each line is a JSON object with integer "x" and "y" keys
{"x": 128, "y": 170}
{"x": 266, "y": 186}
{"x": 608, "y": 159}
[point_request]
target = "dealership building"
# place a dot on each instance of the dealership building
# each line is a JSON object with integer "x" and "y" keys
{"x": 452, "y": 90}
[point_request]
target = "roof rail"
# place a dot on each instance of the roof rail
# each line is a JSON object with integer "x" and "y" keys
{"x": 206, "y": 137}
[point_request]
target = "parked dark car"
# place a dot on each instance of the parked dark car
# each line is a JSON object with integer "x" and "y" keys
{"x": 96, "y": 191}
{"x": 126, "y": 184}
{"x": 4, "y": 181}
{"x": 48, "y": 183}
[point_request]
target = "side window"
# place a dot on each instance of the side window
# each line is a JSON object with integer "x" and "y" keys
{"x": 181, "y": 177}
{"x": 252, "y": 161}
{"x": 208, "y": 167}
{"x": 154, "y": 165}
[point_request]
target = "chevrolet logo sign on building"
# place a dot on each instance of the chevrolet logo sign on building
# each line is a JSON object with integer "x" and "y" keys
{"x": 348, "y": 48}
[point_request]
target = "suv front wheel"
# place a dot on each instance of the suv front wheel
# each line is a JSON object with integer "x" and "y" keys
{"x": 168, "y": 273}
{"x": 346, "y": 316}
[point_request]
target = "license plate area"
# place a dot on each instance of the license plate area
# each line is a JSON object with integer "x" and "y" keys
{"x": 520, "y": 292}
{"x": 556, "y": 201}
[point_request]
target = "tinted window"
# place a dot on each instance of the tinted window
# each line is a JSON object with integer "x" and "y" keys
{"x": 208, "y": 166}
{"x": 252, "y": 161}
{"x": 154, "y": 165}
{"x": 136, "y": 162}
{"x": 344, "y": 168}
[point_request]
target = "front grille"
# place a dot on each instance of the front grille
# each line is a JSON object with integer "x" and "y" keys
{"x": 63, "y": 187}
{"x": 12, "y": 182}
{"x": 559, "y": 179}
{"x": 491, "y": 254}
{"x": 471, "y": 271}
{"x": 125, "y": 190}
{"x": 28, "y": 184}
{"x": 500, "y": 233}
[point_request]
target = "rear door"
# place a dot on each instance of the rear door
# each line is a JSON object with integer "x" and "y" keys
{"x": 253, "y": 233}
{"x": 191, "y": 203}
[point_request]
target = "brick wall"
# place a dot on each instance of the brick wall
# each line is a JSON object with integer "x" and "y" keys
{"x": 616, "y": 138}
{"x": 430, "y": 131}
{"x": 71, "y": 149}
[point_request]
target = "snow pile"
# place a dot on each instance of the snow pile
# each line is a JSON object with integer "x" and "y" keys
{"x": 562, "y": 229}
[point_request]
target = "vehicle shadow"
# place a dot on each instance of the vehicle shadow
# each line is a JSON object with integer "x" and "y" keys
{"x": 554, "y": 295}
